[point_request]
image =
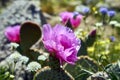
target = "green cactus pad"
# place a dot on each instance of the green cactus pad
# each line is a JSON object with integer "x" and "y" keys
{"x": 87, "y": 62}
{"x": 48, "y": 73}
{"x": 84, "y": 67}
{"x": 30, "y": 33}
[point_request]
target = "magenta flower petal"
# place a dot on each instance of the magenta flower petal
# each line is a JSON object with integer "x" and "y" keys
{"x": 65, "y": 16}
{"x": 50, "y": 45}
{"x": 75, "y": 19}
{"x": 13, "y": 33}
{"x": 62, "y": 42}
{"x": 70, "y": 55}
{"x": 65, "y": 41}
{"x": 47, "y": 30}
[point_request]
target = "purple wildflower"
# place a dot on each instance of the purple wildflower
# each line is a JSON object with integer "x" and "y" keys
{"x": 112, "y": 38}
{"x": 13, "y": 33}
{"x": 103, "y": 10}
{"x": 86, "y": 10}
{"x": 61, "y": 42}
{"x": 111, "y": 13}
{"x": 75, "y": 18}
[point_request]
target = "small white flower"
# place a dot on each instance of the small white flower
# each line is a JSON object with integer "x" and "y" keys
{"x": 24, "y": 59}
{"x": 33, "y": 66}
{"x": 42, "y": 57}
{"x": 113, "y": 22}
{"x": 4, "y": 64}
{"x": 117, "y": 25}
{"x": 15, "y": 57}
{"x": 99, "y": 24}
{"x": 15, "y": 45}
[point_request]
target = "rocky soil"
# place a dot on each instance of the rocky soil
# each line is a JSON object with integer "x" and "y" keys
{"x": 16, "y": 13}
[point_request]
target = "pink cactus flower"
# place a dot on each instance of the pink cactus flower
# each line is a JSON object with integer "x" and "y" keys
{"x": 65, "y": 16}
{"x": 75, "y": 18}
{"x": 13, "y": 33}
{"x": 61, "y": 42}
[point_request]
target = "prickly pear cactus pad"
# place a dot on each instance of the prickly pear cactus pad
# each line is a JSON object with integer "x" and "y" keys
{"x": 48, "y": 73}
{"x": 53, "y": 71}
{"x": 87, "y": 62}
{"x": 30, "y": 33}
{"x": 85, "y": 66}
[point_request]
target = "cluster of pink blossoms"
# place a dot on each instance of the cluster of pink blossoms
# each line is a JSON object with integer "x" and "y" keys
{"x": 74, "y": 17}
